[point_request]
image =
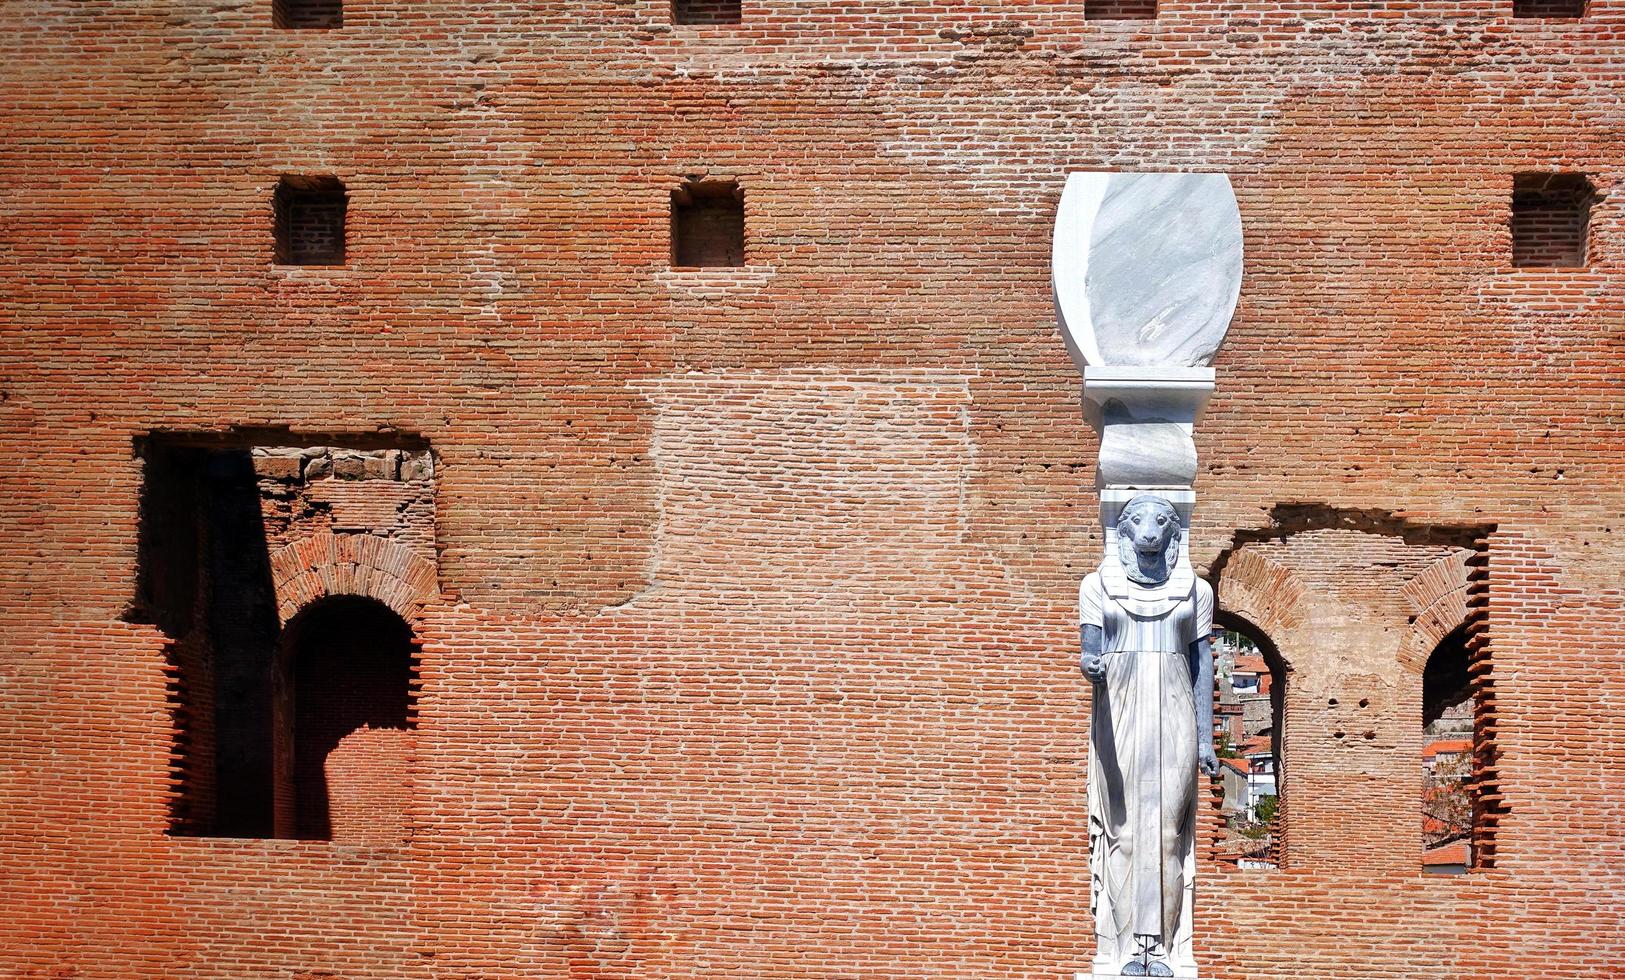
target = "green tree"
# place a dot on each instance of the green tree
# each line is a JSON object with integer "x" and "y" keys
{"x": 1264, "y": 809}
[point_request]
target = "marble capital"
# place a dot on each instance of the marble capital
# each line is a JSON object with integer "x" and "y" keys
{"x": 1146, "y": 417}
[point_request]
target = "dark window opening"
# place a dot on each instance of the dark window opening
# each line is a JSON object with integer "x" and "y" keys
{"x": 1249, "y": 732}
{"x": 1550, "y": 216}
{"x": 316, "y": 15}
{"x": 343, "y": 695}
{"x": 1120, "y": 10}
{"x": 204, "y": 579}
{"x": 706, "y": 11}
{"x": 1553, "y": 9}
{"x": 310, "y": 221}
{"x": 1448, "y": 728}
{"x": 708, "y": 225}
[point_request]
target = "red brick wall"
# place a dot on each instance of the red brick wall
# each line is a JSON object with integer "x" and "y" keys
{"x": 751, "y": 652}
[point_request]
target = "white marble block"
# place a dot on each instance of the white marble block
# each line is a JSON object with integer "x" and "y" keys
{"x": 1147, "y": 267}
{"x": 1146, "y": 417}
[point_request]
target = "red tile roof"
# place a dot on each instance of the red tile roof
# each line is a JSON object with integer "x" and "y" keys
{"x": 1455, "y": 852}
{"x": 1257, "y": 745}
{"x": 1448, "y": 746}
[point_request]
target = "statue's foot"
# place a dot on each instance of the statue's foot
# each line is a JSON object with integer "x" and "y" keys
{"x": 1133, "y": 968}
{"x": 1158, "y": 969}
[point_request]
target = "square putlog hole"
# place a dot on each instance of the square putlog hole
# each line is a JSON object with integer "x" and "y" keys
{"x": 1120, "y": 10}
{"x": 1549, "y": 9}
{"x": 310, "y": 221}
{"x": 706, "y": 11}
{"x": 307, "y": 15}
{"x": 708, "y": 225}
{"x": 1550, "y": 217}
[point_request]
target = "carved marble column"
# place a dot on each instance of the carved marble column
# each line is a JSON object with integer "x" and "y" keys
{"x": 1147, "y": 271}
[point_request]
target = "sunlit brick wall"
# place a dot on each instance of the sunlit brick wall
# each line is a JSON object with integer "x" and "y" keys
{"x": 746, "y": 597}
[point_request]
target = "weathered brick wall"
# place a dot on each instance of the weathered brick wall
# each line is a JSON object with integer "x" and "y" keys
{"x": 747, "y": 624}
{"x": 308, "y": 491}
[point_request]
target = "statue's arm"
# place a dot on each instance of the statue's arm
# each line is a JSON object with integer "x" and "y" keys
{"x": 1202, "y": 694}
{"x": 1093, "y": 667}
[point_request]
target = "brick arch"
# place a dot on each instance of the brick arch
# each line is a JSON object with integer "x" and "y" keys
{"x": 1263, "y": 593}
{"x": 351, "y": 564}
{"x": 1437, "y": 597}
{"x": 1268, "y": 598}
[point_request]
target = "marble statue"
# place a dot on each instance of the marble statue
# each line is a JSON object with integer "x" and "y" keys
{"x": 1145, "y": 624}
{"x": 1147, "y": 272}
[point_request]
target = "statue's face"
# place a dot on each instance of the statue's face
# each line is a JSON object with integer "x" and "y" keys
{"x": 1152, "y": 525}
{"x": 1148, "y": 539}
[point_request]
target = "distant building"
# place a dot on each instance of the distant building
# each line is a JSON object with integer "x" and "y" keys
{"x": 1250, "y": 676}
{"x": 1453, "y": 858}
{"x": 1233, "y": 776}
{"x": 1445, "y": 752}
{"x": 1259, "y": 754}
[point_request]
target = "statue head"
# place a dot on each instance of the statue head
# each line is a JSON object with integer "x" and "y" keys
{"x": 1148, "y": 533}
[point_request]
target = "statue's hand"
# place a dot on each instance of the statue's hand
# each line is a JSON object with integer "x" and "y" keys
{"x": 1094, "y": 668}
{"x": 1207, "y": 760}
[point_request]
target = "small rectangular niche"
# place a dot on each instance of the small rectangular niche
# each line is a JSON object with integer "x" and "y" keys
{"x": 1550, "y": 216}
{"x": 706, "y": 12}
{"x": 708, "y": 225}
{"x": 310, "y": 221}
{"x": 1120, "y": 10}
{"x": 307, "y": 15}
{"x": 1549, "y": 9}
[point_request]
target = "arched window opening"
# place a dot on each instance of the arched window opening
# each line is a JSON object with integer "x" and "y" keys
{"x": 344, "y": 721}
{"x": 1249, "y": 732}
{"x": 1447, "y": 758}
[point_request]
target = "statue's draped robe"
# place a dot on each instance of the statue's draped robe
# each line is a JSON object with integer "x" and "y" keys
{"x": 1142, "y": 762}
